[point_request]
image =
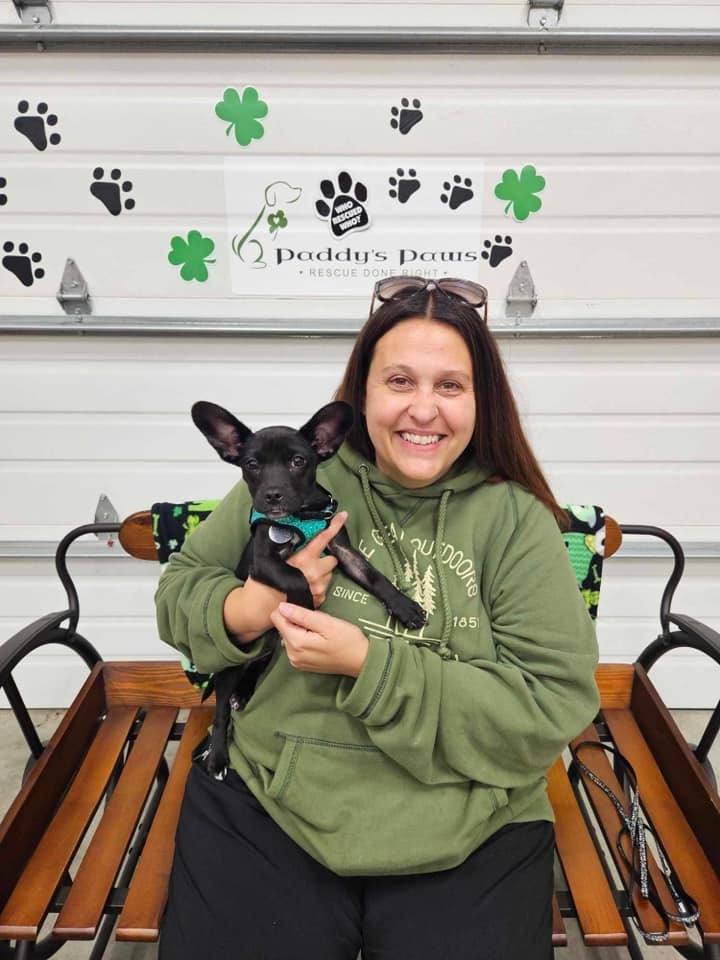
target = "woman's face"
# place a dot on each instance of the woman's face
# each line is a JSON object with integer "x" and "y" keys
{"x": 419, "y": 401}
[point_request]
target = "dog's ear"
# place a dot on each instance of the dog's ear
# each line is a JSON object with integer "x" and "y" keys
{"x": 225, "y": 433}
{"x": 326, "y": 429}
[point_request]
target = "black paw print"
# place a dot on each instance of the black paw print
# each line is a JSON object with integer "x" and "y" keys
{"x": 348, "y": 212}
{"x": 3, "y": 196}
{"x": 496, "y": 252}
{"x": 404, "y": 117}
{"x": 33, "y": 126}
{"x": 457, "y": 192}
{"x": 21, "y": 265}
{"x": 109, "y": 192}
{"x": 403, "y": 187}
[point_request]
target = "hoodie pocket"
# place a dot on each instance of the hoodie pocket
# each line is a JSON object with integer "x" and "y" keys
{"x": 358, "y": 811}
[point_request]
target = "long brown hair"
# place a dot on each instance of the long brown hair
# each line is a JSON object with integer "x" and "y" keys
{"x": 499, "y": 441}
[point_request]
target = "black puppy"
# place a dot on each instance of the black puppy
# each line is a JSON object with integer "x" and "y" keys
{"x": 289, "y": 508}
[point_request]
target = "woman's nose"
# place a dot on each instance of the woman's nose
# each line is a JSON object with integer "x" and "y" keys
{"x": 423, "y": 408}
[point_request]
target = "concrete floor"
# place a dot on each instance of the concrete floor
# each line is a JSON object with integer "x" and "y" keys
{"x": 12, "y": 762}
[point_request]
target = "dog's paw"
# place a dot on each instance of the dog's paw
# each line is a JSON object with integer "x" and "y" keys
{"x": 410, "y": 614}
{"x": 216, "y": 763}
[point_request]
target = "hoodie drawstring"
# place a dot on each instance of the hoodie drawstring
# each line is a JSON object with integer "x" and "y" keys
{"x": 402, "y": 566}
{"x": 444, "y": 649}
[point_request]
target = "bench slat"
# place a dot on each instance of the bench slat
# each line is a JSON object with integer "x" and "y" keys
{"x": 665, "y": 816}
{"x": 33, "y": 808}
{"x": 145, "y": 903}
{"x": 609, "y": 821}
{"x": 83, "y": 909}
{"x": 597, "y": 913}
{"x": 150, "y": 683}
{"x": 27, "y": 907}
{"x": 684, "y": 775}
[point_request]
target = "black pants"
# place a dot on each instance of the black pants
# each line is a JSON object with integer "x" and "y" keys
{"x": 241, "y": 888}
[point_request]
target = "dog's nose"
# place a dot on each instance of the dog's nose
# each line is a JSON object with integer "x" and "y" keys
{"x": 273, "y": 497}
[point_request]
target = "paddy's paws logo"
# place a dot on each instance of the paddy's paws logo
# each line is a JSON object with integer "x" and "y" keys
{"x": 343, "y": 205}
{"x": 277, "y": 197}
{"x": 498, "y": 250}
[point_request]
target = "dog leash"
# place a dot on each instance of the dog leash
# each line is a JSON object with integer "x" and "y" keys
{"x": 632, "y": 823}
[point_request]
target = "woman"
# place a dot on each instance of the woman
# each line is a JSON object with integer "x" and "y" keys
{"x": 388, "y": 789}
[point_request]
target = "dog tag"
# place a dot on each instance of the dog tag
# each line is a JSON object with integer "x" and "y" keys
{"x": 280, "y": 534}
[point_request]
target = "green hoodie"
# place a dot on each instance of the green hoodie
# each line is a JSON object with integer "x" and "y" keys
{"x": 448, "y": 731}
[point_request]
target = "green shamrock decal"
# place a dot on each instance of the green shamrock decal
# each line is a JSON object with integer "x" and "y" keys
{"x": 193, "y": 254}
{"x": 520, "y": 191}
{"x": 242, "y": 113}
{"x": 276, "y": 221}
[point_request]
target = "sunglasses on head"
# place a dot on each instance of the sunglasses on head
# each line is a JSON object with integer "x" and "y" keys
{"x": 400, "y": 288}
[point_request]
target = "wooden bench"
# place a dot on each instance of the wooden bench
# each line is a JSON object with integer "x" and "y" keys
{"x": 110, "y": 783}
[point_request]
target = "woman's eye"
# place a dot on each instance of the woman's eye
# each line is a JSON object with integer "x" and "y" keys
{"x": 399, "y": 382}
{"x": 298, "y": 461}
{"x": 450, "y": 386}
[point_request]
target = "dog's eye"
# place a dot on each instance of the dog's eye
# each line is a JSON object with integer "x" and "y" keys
{"x": 298, "y": 461}
{"x": 250, "y": 464}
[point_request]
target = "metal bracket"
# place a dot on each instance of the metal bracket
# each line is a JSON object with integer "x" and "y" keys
{"x": 543, "y": 14}
{"x": 105, "y": 512}
{"x": 73, "y": 295}
{"x": 33, "y": 11}
{"x": 521, "y": 297}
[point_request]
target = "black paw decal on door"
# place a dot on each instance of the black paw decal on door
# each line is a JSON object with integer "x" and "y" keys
{"x": 406, "y": 116}
{"x": 497, "y": 251}
{"x": 22, "y": 263}
{"x": 3, "y": 195}
{"x": 344, "y": 204}
{"x": 458, "y": 192}
{"x": 109, "y": 191}
{"x": 34, "y": 125}
{"x": 403, "y": 186}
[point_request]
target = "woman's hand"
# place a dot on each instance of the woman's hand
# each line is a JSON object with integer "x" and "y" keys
{"x": 318, "y": 643}
{"x": 316, "y": 568}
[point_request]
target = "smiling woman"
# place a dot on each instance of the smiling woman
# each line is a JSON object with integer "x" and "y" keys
{"x": 387, "y": 791}
{"x": 419, "y": 401}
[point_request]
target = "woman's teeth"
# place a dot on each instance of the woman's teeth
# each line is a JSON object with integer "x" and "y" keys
{"x": 422, "y": 439}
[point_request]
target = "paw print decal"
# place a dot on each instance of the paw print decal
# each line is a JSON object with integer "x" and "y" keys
{"x": 243, "y": 114}
{"x": 347, "y": 212}
{"x": 34, "y": 126}
{"x": 458, "y": 192}
{"x": 3, "y": 196}
{"x": 403, "y": 186}
{"x": 406, "y": 116}
{"x": 497, "y": 251}
{"x": 109, "y": 191}
{"x": 22, "y": 263}
{"x": 192, "y": 255}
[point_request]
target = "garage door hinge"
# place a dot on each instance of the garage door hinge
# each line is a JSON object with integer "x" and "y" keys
{"x": 521, "y": 296}
{"x": 33, "y": 11}
{"x": 73, "y": 295}
{"x": 544, "y": 14}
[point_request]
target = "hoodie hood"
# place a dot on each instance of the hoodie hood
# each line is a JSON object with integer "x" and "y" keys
{"x": 464, "y": 475}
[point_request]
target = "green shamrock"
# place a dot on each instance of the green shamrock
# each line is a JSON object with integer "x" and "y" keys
{"x": 193, "y": 253}
{"x": 243, "y": 114}
{"x": 520, "y": 191}
{"x": 276, "y": 221}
